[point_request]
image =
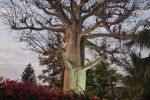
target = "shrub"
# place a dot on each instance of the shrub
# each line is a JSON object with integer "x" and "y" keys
{"x": 14, "y": 90}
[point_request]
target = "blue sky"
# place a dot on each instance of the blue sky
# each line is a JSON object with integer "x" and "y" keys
{"x": 13, "y": 59}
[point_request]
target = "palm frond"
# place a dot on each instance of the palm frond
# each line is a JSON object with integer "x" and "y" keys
{"x": 142, "y": 39}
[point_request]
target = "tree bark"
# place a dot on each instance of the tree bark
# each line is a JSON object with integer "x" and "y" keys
{"x": 74, "y": 80}
{"x": 75, "y": 76}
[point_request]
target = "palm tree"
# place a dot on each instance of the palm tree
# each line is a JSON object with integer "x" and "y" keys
{"x": 138, "y": 78}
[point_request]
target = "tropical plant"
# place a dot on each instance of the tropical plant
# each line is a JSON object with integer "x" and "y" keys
{"x": 138, "y": 78}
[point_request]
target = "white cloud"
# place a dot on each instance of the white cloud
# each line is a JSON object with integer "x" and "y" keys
{"x": 13, "y": 59}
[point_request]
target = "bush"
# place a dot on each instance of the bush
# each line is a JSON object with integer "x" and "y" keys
{"x": 13, "y": 90}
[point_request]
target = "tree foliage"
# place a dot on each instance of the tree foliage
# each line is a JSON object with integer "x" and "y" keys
{"x": 137, "y": 80}
{"x": 102, "y": 81}
{"x": 143, "y": 38}
{"x": 53, "y": 63}
{"x": 97, "y": 81}
{"x": 29, "y": 74}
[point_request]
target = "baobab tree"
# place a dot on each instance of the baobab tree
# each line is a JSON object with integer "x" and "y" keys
{"x": 78, "y": 20}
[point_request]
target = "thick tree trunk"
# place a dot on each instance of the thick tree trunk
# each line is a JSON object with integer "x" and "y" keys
{"x": 74, "y": 80}
{"x": 75, "y": 76}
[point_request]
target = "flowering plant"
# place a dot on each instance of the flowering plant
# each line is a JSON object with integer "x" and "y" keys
{"x": 14, "y": 90}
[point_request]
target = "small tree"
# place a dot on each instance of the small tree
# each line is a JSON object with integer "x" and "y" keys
{"x": 29, "y": 74}
{"x": 97, "y": 80}
{"x": 53, "y": 63}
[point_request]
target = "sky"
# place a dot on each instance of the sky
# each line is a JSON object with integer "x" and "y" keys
{"x": 13, "y": 58}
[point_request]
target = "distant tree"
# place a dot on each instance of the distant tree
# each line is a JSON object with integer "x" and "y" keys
{"x": 53, "y": 63}
{"x": 29, "y": 74}
{"x": 97, "y": 81}
{"x": 102, "y": 81}
{"x": 53, "y": 70}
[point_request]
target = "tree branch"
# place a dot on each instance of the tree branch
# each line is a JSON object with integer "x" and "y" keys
{"x": 97, "y": 61}
{"x": 90, "y": 45}
{"x": 58, "y": 6}
{"x": 97, "y": 24}
{"x": 38, "y": 28}
{"x": 40, "y": 6}
{"x": 100, "y": 48}
{"x": 112, "y": 35}
{"x": 94, "y": 8}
